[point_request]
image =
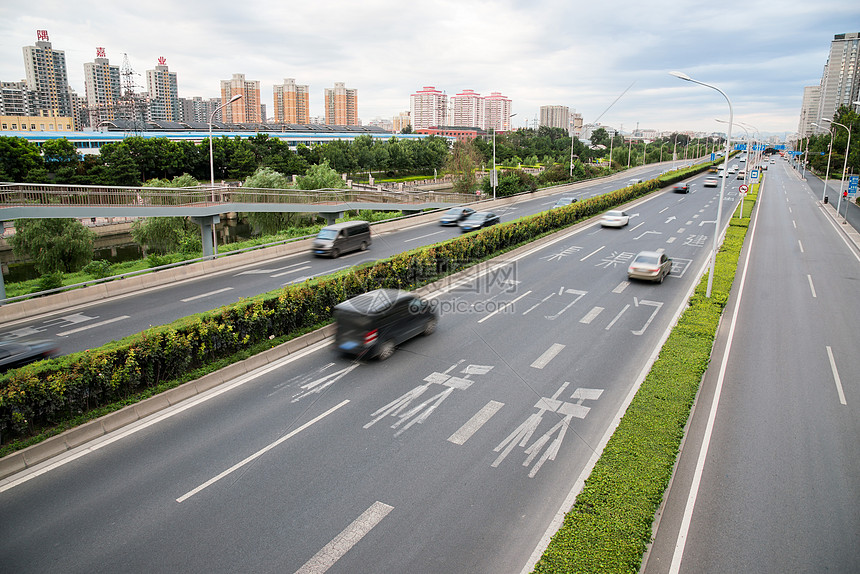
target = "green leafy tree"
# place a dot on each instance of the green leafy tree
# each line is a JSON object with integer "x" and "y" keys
{"x": 17, "y": 158}
{"x": 269, "y": 223}
{"x": 321, "y": 176}
{"x": 54, "y": 245}
{"x": 168, "y": 234}
{"x": 462, "y": 162}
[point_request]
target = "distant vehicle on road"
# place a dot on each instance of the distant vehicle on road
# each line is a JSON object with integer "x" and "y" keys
{"x": 455, "y": 215}
{"x": 682, "y": 187}
{"x": 634, "y": 181}
{"x": 650, "y": 266}
{"x": 742, "y": 174}
{"x": 565, "y": 201}
{"x": 17, "y": 353}
{"x": 615, "y": 219}
{"x": 478, "y": 220}
{"x": 374, "y": 323}
{"x": 711, "y": 182}
{"x": 333, "y": 240}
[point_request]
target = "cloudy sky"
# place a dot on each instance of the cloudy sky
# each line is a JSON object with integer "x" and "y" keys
{"x": 577, "y": 53}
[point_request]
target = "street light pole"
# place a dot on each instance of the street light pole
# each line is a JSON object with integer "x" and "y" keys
{"x": 829, "y": 155}
{"x": 212, "y": 164}
{"x": 687, "y": 78}
{"x": 844, "y": 165}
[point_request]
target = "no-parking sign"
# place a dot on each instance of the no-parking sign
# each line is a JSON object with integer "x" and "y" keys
{"x": 743, "y": 189}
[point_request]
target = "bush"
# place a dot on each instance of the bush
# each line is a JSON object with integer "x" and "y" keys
{"x": 99, "y": 269}
{"x": 50, "y": 281}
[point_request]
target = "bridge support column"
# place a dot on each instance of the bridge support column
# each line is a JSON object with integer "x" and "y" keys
{"x": 207, "y": 223}
{"x": 330, "y": 218}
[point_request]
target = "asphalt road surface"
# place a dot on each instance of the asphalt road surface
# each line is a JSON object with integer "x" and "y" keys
{"x": 455, "y": 455}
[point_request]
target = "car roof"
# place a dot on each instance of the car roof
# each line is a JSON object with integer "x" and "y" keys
{"x": 375, "y": 301}
{"x": 345, "y": 224}
{"x": 650, "y": 253}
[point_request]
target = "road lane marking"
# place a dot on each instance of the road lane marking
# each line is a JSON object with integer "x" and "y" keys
{"x": 343, "y": 542}
{"x": 423, "y": 236}
{"x": 662, "y": 210}
{"x": 794, "y": 223}
{"x": 621, "y": 287}
{"x": 592, "y": 253}
{"x": 505, "y": 306}
{"x": 811, "y": 287}
{"x": 99, "y": 324}
{"x": 671, "y": 240}
{"x": 618, "y": 316}
{"x": 260, "y": 452}
{"x": 547, "y": 356}
{"x": 281, "y": 274}
{"x": 800, "y": 245}
{"x": 204, "y": 295}
{"x": 472, "y": 426}
{"x": 836, "y": 376}
{"x": 591, "y": 316}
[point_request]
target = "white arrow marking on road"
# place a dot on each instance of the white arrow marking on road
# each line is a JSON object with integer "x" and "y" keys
{"x": 99, "y": 324}
{"x": 671, "y": 218}
{"x": 647, "y": 232}
{"x": 655, "y": 304}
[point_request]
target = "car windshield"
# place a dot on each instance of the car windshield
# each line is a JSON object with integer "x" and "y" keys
{"x": 476, "y": 217}
{"x": 649, "y": 259}
{"x": 614, "y": 214}
{"x": 454, "y": 211}
{"x": 327, "y": 234}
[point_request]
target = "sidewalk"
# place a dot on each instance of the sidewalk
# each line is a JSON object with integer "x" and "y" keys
{"x": 852, "y": 234}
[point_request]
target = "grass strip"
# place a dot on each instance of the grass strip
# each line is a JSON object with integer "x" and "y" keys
{"x": 609, "y": 526}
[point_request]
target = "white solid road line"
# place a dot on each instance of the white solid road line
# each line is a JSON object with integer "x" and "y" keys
{"x": 343, "y": 542}
{"x": 472, "y": 426}
{"x": 547, "y": 356}
{"x": 204, "y": 295}
{"x": 505, "y": 306}
{"x": 836, "y": 376}
{"x": 260, "y": 453}
{"x": 681, "y": 541}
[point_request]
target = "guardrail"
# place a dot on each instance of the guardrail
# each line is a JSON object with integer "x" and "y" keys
{"x": 30, "y": 194}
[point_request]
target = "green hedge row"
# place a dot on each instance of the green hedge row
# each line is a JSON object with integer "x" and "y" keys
{"x": 609, "y": 526}
{"x": 51, "y": 392}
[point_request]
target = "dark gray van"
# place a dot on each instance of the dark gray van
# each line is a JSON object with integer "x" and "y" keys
{"x": 333, "y": 240}
{"x": 374, "y": 323}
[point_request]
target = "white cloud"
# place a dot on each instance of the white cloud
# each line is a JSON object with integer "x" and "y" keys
{"x": 579, "y": 54}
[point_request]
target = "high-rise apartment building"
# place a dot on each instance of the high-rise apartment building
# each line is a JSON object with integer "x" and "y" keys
{"x": 555, "y": 117}
{"x": 163, "y": 93}
{"x": 428, "y": 108}
{"x": 245, "y": 110}
{"x": 341, "y": 105}
{"x": 103, "y": 89}
{"x": 198, "y": 110}
{"x": 497, "y": 112}
{"x": 400, "y": 121}
{"x": 46, "y": 75}
{"x": 840, "y": 82}
{"x": 467, "y": 109}
{"x": 809, "y": 111}
{"x": 17, "y": 100}
{"x": 292, "y": 103}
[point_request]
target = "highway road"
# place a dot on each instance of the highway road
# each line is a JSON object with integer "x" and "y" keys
{"x": 455, "y": 455}
{"x": 92, "y": 325}
{"x": 769, "y": 476}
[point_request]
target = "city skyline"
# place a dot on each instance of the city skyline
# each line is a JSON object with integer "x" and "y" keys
{"x": 609, "y": 65}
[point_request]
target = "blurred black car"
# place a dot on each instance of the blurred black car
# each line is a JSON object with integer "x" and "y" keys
{"x": 478, "y": 220}
{"x": 374, "y": 323}
{"x": 455, "y": 215}
{"x": 14, "y": 354}
{"x": 682, "y": 187}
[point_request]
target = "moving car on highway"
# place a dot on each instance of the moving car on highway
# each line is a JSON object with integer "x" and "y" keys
{"x": 374, "y": 323}
{"x": 333, "y": 240}
{"x": 711, "y": 182}
{"x": 681, "y": 187}
{"x": 478, "y": 220}
{"x": 565, "y": 201}
{"x": 16, "y": 353}
{"x": 650, "y": 266}
{"x": 455, "y": 215}
{"x": 614, "y": 219}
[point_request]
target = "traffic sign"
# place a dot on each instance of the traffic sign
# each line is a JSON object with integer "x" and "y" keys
{"x": 743, "y": 189}
{"x": 852, "y": 185}
{"x": 753, "y": 175}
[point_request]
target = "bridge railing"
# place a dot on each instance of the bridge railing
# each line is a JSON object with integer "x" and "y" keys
{"x": 24, "y": 194}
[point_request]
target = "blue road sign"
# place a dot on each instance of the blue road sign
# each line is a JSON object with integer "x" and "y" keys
{"x": 852, "y": 185}
{"x": 753, "y": 175}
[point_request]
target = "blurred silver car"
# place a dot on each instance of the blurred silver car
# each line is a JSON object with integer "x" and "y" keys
{"x": 614, "y": 219}
{"x": 17, "y": 353}
{"x": 650, "y": 266}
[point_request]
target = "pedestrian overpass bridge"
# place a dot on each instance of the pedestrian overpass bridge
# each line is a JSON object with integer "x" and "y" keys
{"x": 204, "y": 204}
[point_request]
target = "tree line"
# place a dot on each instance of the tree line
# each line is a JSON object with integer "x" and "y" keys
{"x": 817, "y": 147}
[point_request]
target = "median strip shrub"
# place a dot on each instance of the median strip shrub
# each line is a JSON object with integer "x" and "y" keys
{"x": 609, "y": 526}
